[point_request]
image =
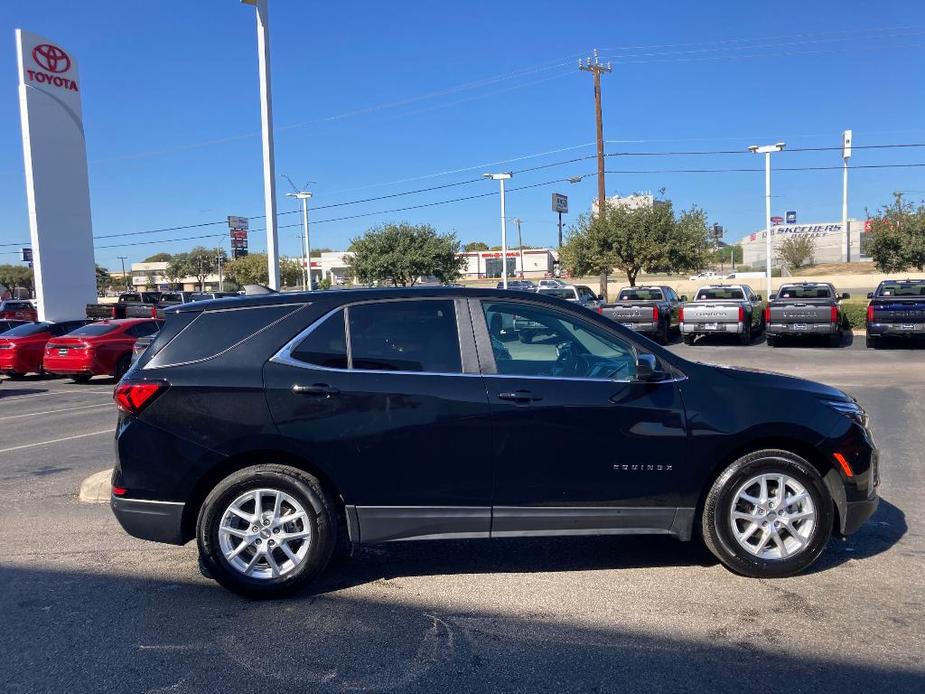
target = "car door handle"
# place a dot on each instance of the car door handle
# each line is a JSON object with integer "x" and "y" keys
{"x": 315, "y": 389}
{"x": 523, "y": 396}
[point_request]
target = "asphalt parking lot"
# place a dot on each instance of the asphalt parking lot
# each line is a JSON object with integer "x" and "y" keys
{"x": 87, "y": 608}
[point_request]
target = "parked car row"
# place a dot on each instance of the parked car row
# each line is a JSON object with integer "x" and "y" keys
{"x": 80, "y": 349}
{"x": 149, "y": 304}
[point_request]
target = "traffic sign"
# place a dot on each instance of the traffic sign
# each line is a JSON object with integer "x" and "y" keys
{"x": 791, "y": 217}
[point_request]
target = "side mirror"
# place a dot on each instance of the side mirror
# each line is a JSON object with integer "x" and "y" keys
{"x": 647, "y": 368}
{"x": 684, "y": 297}
{"x": 771, "y": 297}
{"x": 870, "y": 295}
{"x": 845, "y": 295}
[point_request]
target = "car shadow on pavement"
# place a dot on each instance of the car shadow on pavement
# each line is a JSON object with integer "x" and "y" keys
{"x": 881, "y": 531}
{"x": 81, "y": 630}
{"x": 8, "y": 391}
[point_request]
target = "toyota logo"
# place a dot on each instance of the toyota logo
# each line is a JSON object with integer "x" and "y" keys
{"x": 51, "y": 58}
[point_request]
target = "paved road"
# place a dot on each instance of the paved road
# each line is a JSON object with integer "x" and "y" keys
{"x": 87, "y": 608}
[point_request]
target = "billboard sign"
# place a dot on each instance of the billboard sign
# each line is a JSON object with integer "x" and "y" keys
{"x": 559, "y": 203}
{"x": 237, "y": 222}
{"x": 777, "y": 220}
{"x": 57, "y": 186}
{"x": 791, "y": 216}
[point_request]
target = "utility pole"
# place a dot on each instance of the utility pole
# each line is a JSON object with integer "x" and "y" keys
{"x": 221, "y": 281}
{"x": 596, "y": 68}
{"x": 520, "y": 244}
{"x": 202, "y": 277}
{"x": 846, "y": 155}
{"x": 124, "y": 277}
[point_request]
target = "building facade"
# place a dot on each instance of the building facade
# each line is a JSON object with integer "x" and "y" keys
{"x": 535, "y": 263}
{"x": 828, "y": 239}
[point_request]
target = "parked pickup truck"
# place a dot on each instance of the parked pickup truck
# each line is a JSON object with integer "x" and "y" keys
{"x": 579, "y": 294}
{"x": 724, "y": 309}
{"x": 805, "y": 308}
{"x": 649, "y": 310}
{"x": 896, "y": 309}
{"x": 129, "y": 305}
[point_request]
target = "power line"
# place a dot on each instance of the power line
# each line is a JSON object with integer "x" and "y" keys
{"x": 776, "y": 169}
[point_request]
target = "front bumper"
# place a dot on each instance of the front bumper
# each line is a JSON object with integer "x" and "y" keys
{"x": 856, "y": 513}
{"x": 160, "y": 521}
{"x": 712, "y": 328}
{"x": 896, "y": 329}
{"x": 791, "y": 329}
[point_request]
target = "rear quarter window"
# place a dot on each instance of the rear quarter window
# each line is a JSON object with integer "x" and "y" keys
{"x": 213, "y": 332}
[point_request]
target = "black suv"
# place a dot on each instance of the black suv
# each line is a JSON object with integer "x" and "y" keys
{"x": 273, "y": 428}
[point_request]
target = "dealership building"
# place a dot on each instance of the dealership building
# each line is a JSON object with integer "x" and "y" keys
{"x": 828, "y": 239}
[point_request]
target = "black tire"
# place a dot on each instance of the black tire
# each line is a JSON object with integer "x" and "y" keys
{"x": 689, "y": 339}
{"x": 81, "y": 378}
{"x": 304, "y": 488}
{"x": 745, "y": 337}
{"x": 717, "y": 531}
{"x": 771, "y": 340}
{"x": 123, "y": 365}
{"x": 835, "y": 339}
{"x": 872, "y": 342}
{"x": 661, "y": 337}
{"x": 13, "y": 376}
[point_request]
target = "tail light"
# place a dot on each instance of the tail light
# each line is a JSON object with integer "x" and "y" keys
{"x": 834, "y": 315}
{"x": 113, "y": 312}
{"x": 132, "y": 398}
{"x": 767, "y": 314}
{"x": 600, "y": 310}
{"x": 154, "y": 311}
{"x": 681, "y": 314}
{"x": 655, "y": 314}
{"x": 741, "y": 314}
{"x": 870, "y": 314}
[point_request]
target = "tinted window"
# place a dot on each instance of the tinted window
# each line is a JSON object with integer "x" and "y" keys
{"x": 63, "y": 328}
{"x": 326, "y": 344}
{"x": 94, "y": 330}
{"x": 719, "y": 293}
{"x": 641, "y": 295}
{"x": 535, "y": 341}
{"x": 27, "y": 329}
{"x": 903, "y": 289}
{"x": 561, "y": 292}
{"x": 143, "y": 329}
{"x": 14, "y": 305}
{"x": 405, "y": 336}
{"x": 215, "y": 331}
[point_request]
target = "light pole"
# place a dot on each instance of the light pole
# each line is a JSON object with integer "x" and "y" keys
{"x": 846, "y": 155}
{"x": 767, "y": 151}
{"x": 266, "y": 127}
{"x": 304, "y": 196}
{"x": 501, "y": 178}
{"x": 221, "y": 280}
{"x": 520, "y": 244}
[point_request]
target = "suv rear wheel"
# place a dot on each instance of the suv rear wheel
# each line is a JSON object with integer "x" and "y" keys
{"x": 266, "y": 530}
{"x": 768, "y": 515}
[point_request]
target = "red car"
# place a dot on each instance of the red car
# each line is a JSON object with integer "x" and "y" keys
{"x": 96, "y": 349}
{"x": 18, "y": 310}
{"x": 22, "y": 347}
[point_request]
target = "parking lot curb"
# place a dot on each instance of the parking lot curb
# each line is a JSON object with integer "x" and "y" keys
{"x": 96, "y": 488}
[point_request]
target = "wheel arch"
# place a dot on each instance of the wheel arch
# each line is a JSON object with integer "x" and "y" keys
{"x": 242, "y": 460}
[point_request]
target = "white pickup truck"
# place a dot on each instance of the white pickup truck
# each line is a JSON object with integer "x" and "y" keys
{"x": 724, "y": 309}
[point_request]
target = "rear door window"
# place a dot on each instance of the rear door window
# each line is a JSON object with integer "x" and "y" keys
{"x": 419, "y": 336}
{"x": 326, "y": 344}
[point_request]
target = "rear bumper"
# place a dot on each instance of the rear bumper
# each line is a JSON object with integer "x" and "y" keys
{"x": 647, "y": 327}
{"x": 720, "y": 329}
{"x": 10, "y": 363}
{"x": 70, "y": 365}
{"x": 160, "y": 521}
{"x": 790, "y": 329}
{"x": 896, "y": 329}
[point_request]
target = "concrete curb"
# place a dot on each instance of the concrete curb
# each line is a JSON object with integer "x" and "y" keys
{"x": 96, "y": 488}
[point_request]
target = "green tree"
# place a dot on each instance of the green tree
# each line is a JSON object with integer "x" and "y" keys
{"x": 651, "y": 239}
{"x": 896, "y": 240}
{"x": 797, "y": 250}
{"x": 202, "y": 262}
{"x": 474, "y": 246}
{"x": 291, "y": 272}
{"x": 103, "y": 280}
{"x": 403, "y": 253}
{"x": 13, "y": 276}
{"x": 158, "y": 258}
{"x": 725, "y": 254}
{"x": 249, "y": 269}
{"x": 177, "y": 268}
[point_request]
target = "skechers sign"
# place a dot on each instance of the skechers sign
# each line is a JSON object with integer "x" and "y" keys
{"x": 51, "y": 61}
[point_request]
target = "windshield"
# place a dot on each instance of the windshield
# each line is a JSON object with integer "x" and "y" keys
{"x": 640, "y": 294}
{"x": 14, "y": 305}
{"x": 902, "y": 289}
{"x": 93, "y": 330}
{"x": 27, "y": 329}
{"x": 560, "y": 292}
{"x": 714, "y": 293}
{"x": 804, "y": 292}
{"x": 172, "y": 297}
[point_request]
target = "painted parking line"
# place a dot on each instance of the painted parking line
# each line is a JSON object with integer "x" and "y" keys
{"x": 65, "y": 409}
{"x": 109, "y": 431}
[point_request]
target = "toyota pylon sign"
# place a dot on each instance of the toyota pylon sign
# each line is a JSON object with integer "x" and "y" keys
{"x": 57, "y": 190}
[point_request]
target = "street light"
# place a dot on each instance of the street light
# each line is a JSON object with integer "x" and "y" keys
{"x": 501, "y": 178}
{"x": 266, "y": 128}
{"x": 305, "y": 196}
{"x": 767, "y": 151}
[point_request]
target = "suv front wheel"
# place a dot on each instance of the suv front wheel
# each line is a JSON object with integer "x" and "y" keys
{"x": 266, "y": 530}
{"x": 768, "y": 515}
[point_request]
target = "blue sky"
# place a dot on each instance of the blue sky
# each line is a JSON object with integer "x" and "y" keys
{"x": 373, "y": 99}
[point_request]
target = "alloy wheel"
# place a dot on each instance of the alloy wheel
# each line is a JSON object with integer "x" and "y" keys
{"x": 772, "y": 516}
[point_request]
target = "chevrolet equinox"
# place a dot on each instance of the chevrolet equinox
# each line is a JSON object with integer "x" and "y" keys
{"x": 275, "y": 428}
